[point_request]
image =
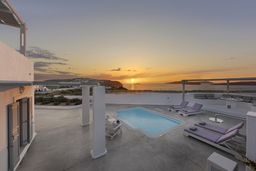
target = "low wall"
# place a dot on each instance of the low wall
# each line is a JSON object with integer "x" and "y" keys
{"x": 144, "y": 98}
{"x": 151, "y": 98}
{"x": 14, "y": 66}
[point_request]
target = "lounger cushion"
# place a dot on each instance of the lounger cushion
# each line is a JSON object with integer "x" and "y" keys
{"x": 202, "y": 123}
{"x": 182, "y": 105}
{"x": 213, "y": 127}
{"x": 193, "y": 128}
{"x": 238, "y": 126}
{"x": 189, "y": 110}
{"x": 197, "y": 106}
{"x": 227, "y": 136}
{"x": 205, "y": 134}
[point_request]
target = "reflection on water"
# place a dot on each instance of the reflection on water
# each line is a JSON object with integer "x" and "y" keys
{"x": 178, "y": 87}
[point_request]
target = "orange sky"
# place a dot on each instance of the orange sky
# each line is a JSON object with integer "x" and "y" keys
{"x": 148, "y": 41}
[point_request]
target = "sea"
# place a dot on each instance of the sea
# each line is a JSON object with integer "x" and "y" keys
{"x": 178, "y": 87}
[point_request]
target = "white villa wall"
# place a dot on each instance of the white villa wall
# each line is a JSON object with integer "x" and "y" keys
{"x": 217, "y": 106}
{"x": 144, "y": 98}
{"x": 14, "y": 66}
{"x": 7, "y": 97}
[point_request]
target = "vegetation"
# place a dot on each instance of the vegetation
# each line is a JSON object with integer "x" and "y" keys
{"x": 56, "y": 100}
{"x": 73, "y": 92}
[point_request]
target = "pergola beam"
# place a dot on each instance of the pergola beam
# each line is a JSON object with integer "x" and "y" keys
{"x": 5, "y": 11}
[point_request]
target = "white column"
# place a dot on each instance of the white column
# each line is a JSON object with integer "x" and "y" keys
{"x": 85, "y": 105}
{"x": 251, "y": 136}
{"x": 98, "y": 125}
{"x": 23, "y": 39}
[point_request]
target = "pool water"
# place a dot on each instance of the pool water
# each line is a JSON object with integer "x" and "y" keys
{"x": 151, "y": 123}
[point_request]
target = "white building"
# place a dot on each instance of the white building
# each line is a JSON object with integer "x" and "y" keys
{"x": 16, "y": 95}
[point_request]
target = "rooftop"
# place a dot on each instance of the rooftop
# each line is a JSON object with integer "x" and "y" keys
{"x": 62, "y": 144}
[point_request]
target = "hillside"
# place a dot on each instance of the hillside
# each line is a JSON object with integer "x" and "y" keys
{"x": 109, "y": 84}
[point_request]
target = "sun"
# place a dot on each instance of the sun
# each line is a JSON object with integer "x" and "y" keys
{"x": 132, "y": 80}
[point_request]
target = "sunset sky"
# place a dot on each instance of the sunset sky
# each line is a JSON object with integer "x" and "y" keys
{"x": 138, "y": 40}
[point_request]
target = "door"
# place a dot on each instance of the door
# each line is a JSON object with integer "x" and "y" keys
{"x": 30, "y": 119}
{"x": 13, "y": 135}
{"x": 24, "y": 121}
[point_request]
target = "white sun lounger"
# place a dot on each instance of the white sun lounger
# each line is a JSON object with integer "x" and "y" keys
{"x": 113, "y": 128}
{"x": 189, "y": 111}
{"x": 212, "y": 138}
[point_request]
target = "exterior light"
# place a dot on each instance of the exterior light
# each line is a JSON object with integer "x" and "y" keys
{"x": 21, "y": 89}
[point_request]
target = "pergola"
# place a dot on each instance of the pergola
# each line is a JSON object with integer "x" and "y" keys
{"x": 227, "y": 80}
{"x": 9, "y": 16}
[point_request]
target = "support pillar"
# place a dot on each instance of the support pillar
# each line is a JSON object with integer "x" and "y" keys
{"x": 85, "y": 118}
{"x": 98, "y": 125}
{"x": 23, "y": 39}
{"x": 250, "y": 137}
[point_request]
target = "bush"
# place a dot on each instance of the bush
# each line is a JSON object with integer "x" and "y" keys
{"x": 56, "y": 103}
{"x": 78, "y": 103}
{"x": 44, "y": 100}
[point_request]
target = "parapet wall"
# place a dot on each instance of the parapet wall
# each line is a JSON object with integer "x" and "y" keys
{"x": 14, "y": 67}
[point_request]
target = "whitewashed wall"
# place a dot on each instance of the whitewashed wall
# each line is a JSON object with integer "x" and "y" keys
{"x": 144, "y": 98}
{"x": 7, "y": 97}
{"x": 14, "y": 66}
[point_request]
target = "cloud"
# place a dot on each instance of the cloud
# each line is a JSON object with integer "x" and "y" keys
{"x": 120, "y": 69}
{"x": 131, "y": 70}
{"x": 231, "y": 58}
{"x": 38, "y": 53}
{"x": 116, "y": 69}
{"x": 171, "y": 75}
{"x": 47, "y": 64}
{"x": 117, "y": 77}
{"x": 45, "y": 76}
{"x": 49, "y": 73}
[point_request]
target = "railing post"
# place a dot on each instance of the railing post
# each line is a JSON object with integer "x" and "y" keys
{"x": 183, "y": 89}
{"x": 227, "y": 86}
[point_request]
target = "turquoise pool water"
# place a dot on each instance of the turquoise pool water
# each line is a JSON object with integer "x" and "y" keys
{"x": 151, "y": 123}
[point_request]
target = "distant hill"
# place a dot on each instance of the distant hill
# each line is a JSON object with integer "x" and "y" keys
{"x": 115, "y": 85}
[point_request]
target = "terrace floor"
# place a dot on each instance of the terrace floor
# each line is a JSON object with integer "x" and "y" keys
{"x": 63, "y": 145}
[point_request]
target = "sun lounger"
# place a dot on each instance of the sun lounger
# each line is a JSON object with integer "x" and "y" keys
{"x": 113, "y": 128}
{"x": 178, "y": 107}
{"x": 215, "y": 139}
{"x": 194, "y": 110}
{"x": 219, "y": 129}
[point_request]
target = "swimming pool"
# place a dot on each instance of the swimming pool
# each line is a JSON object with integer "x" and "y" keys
{"x": 151, "y": 123}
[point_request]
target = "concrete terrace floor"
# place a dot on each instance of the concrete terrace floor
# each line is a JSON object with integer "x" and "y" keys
{"x": 63, "y": 145}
